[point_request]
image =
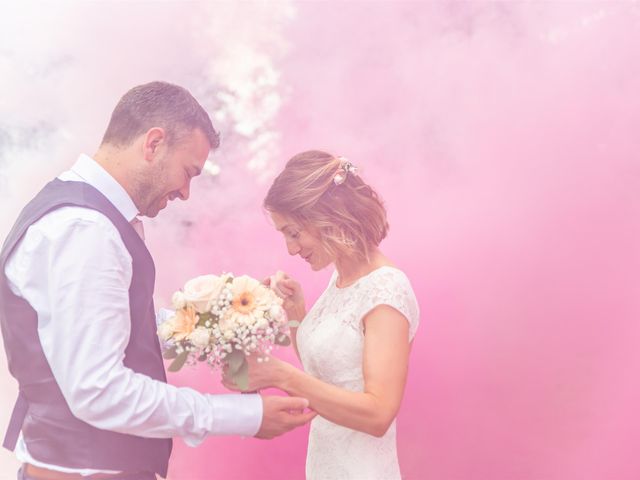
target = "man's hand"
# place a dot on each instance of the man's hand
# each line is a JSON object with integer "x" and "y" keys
{"x": 281, "y": 414}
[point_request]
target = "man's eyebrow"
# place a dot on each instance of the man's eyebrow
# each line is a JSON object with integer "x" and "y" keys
{"x": 283, "y": 227}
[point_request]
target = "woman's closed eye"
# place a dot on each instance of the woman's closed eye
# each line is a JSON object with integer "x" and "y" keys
{"x": 293, "y": 234}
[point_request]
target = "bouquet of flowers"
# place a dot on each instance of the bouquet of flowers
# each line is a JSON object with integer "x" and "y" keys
{"x": 221, "y": 320}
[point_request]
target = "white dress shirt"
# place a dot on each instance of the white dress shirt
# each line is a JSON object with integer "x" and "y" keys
{"x": 75, "y": 271}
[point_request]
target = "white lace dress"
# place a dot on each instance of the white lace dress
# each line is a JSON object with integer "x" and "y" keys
{"x": 330, "y": 342}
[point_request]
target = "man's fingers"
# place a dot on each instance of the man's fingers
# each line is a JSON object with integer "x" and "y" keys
{"x": 282, "y": 414}
{"x": 298, "y": 418}
{"x": 294, "y": 403}
{"x": 303, "y": 418}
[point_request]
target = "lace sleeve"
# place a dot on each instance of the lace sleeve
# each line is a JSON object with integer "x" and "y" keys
{"x": 392, "y": 287}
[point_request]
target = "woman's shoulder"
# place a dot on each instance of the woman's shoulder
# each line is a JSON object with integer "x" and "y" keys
{"x": 387, "y": 281}
{"x": 389, "y": 274}
{"x": 389, "y": 285}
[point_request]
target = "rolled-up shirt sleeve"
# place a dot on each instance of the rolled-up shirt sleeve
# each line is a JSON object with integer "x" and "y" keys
{"x": 74, "y": 270}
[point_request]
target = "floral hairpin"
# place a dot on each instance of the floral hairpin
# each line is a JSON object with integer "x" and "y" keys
{"x": 346, "y": 168}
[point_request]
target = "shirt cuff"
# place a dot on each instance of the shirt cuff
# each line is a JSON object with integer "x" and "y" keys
{"x": 232, "y": 414}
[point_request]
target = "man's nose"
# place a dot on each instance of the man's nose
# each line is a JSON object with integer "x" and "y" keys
{"x": 183, "y": 193}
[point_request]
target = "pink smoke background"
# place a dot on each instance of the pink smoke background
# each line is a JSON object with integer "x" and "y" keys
{"x": 503, "y": 138}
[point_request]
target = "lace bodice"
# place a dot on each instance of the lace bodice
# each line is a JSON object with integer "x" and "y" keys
{"x": 330, "y": 342}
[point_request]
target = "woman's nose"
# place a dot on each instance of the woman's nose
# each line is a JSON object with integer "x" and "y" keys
{"x": 293, "y": 248}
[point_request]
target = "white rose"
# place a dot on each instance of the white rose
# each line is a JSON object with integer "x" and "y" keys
{"x": 202, "y": 290}
{"x": 262, "y": 323}
{"x": 178, "y": 300}
{"x": 200, "y": 337}
{"x": 228, "y": 334}
{"x": 166, "y": 329}
{"x": 276, "y": 312}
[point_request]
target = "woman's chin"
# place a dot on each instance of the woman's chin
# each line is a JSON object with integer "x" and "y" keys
{"x": 318, "y": 266}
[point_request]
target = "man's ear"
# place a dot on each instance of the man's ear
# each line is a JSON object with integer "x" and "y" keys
{"x": 154, "y": 139}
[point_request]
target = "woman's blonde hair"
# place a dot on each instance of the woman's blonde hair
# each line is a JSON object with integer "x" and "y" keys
{"x": 350, "y": 216}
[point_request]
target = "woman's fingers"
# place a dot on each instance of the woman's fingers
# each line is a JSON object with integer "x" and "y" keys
{"x": 285, "y": 289}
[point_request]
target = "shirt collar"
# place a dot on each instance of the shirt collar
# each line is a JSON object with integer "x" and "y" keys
{"x": 92, "y": 173}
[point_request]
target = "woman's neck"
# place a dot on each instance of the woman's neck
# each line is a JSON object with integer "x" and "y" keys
{"x": 351, "y": 269}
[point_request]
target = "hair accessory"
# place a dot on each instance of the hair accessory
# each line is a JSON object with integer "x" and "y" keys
{"x": 346, "y": 168}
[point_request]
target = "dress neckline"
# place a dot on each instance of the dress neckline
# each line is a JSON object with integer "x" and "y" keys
{"x": 335, "y": 279}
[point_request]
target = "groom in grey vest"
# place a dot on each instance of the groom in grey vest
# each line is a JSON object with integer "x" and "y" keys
{"x": 77, "y": 313}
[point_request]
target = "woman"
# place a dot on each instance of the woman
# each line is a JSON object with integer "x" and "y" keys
{"x": 354, "y": 343}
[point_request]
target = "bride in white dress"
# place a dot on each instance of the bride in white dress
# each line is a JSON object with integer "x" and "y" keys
{"x": 354, "y": 342}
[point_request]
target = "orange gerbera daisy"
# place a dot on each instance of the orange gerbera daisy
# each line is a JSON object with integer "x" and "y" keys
{"x": 185, "y": 323}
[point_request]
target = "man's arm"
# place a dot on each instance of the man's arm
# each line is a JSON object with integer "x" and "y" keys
{"x": 76, "y": 273}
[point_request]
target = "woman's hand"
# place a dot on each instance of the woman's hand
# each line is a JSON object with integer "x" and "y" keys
{"x": 270, "y": 372}
{"x": 291, "y": 292}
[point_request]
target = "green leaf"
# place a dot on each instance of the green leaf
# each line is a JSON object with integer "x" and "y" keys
{"x": 170, "y": 353}
{"x": 236, "y": 360}
{"x": 177, "y": 364}
{"x": 294, "y": 323}
{"x": 203, "y": 318}
{"x": 283, "y": 340}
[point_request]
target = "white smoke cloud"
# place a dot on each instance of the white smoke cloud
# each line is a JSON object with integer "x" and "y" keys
{"x": 64, "y": 65}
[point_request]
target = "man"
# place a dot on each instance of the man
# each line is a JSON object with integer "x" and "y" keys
{"x": 77, "y": 315}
